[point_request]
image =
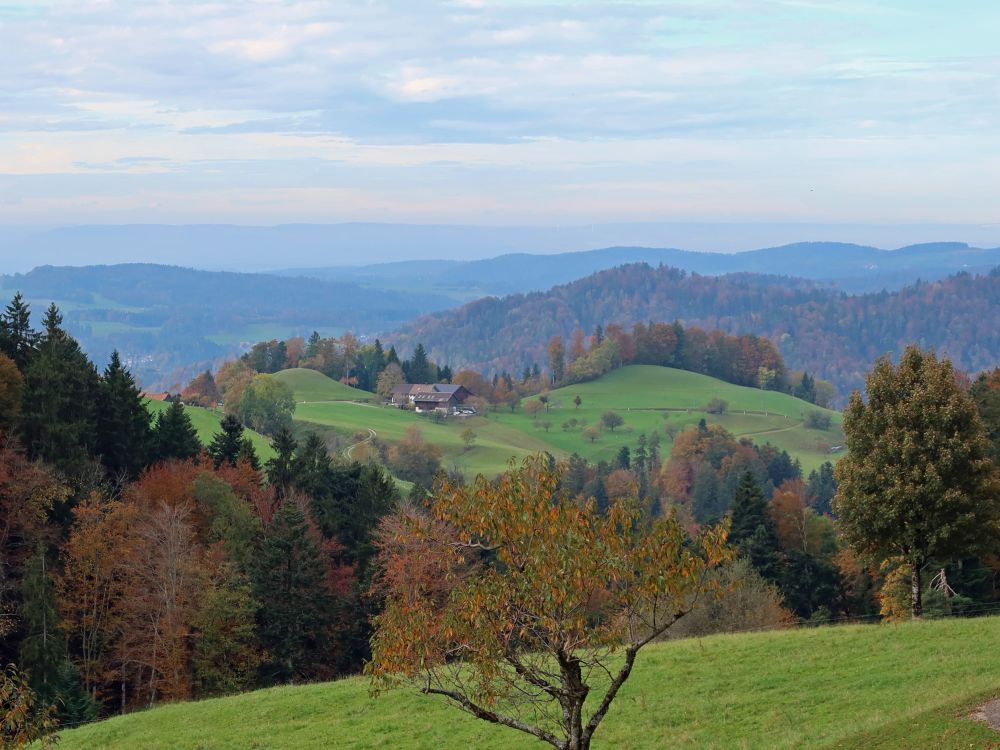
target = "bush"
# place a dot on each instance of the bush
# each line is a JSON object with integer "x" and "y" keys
{"x": 717, "y": 406}
{"x": 817, "y": 420}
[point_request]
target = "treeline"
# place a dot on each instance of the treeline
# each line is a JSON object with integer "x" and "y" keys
{"x": 345, "y": 359}
{"x": 744, "y": 360}
{"x": 829, "y": 334}
{"x": 139, "y": 566}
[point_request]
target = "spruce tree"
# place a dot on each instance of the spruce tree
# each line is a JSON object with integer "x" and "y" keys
{"x": 43, "y": 647}
{"x": 248, "y": 454}
{"x": 419, "y": 370}
{"x": 279, "y": 469}
{"x": 174, "y": 436}
{"x": 228, "y": 443}
{"x": 17, "y": 339}
{"x": 290, "y": 584}
{"x": 821, "y": 488}
{"x": 124, "y": 434}
{"x": 59, "y": 406}
{"x": 752, "y": 530}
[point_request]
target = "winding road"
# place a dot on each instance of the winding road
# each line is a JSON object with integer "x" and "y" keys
{"x": 349, "y": 450}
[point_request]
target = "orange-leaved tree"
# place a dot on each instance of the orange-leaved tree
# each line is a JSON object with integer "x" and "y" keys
{"x": 509, "y": 597}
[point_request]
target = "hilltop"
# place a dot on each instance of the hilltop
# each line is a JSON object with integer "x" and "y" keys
{"x": 887, "y": 687}
{"x": 649, "y": 398}
{"x": 817, "y": 329}
{"x": 309, "y": 386}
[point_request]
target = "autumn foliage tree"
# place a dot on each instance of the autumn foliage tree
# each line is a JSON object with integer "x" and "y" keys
{"x": 542, "y": 593}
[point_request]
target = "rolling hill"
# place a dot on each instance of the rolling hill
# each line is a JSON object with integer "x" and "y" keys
{"x": 310, "y": 386}
{"x": 829, "y": 334}
{"x": 647, "y": 397}
{"x": 862, "y": 686}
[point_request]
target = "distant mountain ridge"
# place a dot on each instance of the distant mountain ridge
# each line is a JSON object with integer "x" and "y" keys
{"x": 849, "y": 267}
{"x": 265, "y": 248}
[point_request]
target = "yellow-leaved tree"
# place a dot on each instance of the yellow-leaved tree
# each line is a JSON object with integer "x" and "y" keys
{"x": 514, "y": 602}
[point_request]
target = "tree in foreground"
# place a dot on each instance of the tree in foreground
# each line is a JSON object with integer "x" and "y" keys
{"x": 510, "y": 597}
{"x": 22, "y": 720}
{"x": 918, "y": 482}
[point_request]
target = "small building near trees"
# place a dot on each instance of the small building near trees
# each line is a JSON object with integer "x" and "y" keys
{"x": 434, "y": 397}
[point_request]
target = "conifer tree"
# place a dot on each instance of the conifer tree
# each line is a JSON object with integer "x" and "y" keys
{"x": 752, "y": 530}
{"x": 174, "y": 436}
{"x": 17, "y": 339}
{"x": 279, "y": 469}
{"x": 124, "y": 434}
{"x": 43, "y": 647}
{"x": 821, "y": 488}
{"x": 227, "y": 445}
{"x": 290, "y": 584}
{"x": 419, "y": 370}
{"x": 59, "y": 406}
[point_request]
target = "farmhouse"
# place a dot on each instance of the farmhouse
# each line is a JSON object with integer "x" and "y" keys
{"x": 439, "y": 396}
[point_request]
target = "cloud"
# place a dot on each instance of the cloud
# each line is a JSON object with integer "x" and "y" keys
{"x": 272, "y": 92}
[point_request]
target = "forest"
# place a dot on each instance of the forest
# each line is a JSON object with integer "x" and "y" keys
{"x": 831, "y": 335}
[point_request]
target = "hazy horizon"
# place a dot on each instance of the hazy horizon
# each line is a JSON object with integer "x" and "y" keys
{"x": 217, "y": 246}
{"x": 509, "y": 113}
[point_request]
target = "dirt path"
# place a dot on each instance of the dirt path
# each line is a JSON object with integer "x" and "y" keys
{"x": 349, "y": 450}
{"x": 773, "y": 431}
{"x": 988, "y": 713}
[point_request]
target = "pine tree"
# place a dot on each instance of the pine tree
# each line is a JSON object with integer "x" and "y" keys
{"x": 821, "y": 488}
{"x": 279, "y": 469}
{"x": 248, "y": 454}
{"x": 174, "y": 437}
{"x": 59, "y": 406}
{"x": 752, "y": 530}
{"x": 43, "y": 648}
{"x": 227, "y": 444}
{"x": 290, "y": 583}
{"x": 312, "y": 345}
{"x": 419, "y": 370}
{"x": 124, "y": 435}
{"x": 17, "y": 339}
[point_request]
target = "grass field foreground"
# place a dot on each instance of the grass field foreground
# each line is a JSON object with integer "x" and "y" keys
{"x": 885, "y": 687}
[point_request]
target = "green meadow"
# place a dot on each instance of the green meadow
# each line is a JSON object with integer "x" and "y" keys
{"x": 309, "y": 385}
{"x": 650, "y": 399}
{"x": 884, "y": 687}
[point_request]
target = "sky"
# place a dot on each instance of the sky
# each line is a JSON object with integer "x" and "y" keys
{"x": 508, "y": 112}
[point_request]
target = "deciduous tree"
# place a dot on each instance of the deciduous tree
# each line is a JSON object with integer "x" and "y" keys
{"x": 564, "y": 593}
{"x": 918, "y": 482}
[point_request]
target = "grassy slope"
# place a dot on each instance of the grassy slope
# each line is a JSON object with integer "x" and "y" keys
{"x": 872, "y": 686}
{"x": 503, "y": 434}
{"x": 206, "y": 423}
{"x": 310, "y": 385}
{"x": 641, "y": 387}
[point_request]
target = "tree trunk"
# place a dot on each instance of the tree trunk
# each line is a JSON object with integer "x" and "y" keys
{"x": 916, "y": 592}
